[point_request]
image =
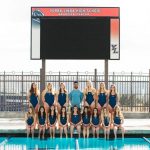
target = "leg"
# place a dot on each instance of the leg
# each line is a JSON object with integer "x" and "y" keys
{"x": 79, "y": 130}
{"x": 99, "y": 107}
{"x": 93, "y": 129}
{"x": 105, "y": 132}
{"x": 50, "y": 132}
{"x": 32, "y": 131}
{"x": 58, "y": 107}
{"x": 28, "y": 131}
{"x": 46, "y": 106}
{"x": 84, "y": 131}
{"x": 40, "y": 129}
{"x": 71, "y": 130}
{"x": 53, "y": 131}
{"x": 115, "y": 131}
{"x": 61, "y": 130}
{"x": 65, "y": 130}
{"x": 108, "y": 131}
{"x": 97, "y": 132}
{"x": 122, "y": 130}
{"x": 92, "y": 106}
{"x": 43, "y": 131}
{"x": 87, "y": 131}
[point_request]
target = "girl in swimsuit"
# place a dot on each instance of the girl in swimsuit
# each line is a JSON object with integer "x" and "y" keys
{"x": 62, "y": 97}
{"x": 105, "y": 117}
{"x": 48, "y": 97}
{"x": 52, "y": 119}
{"x": 86, "y": 121}
{"x": 63, "y": 121}
{"x": 89, "y": 95}
{"x": 30, "y": 118}
{"x": 102, "y": 96}
{"x": 118, "y": 120}
{"x": 113, "y": 100}
{"x": 42, "y": 121}
{"x": 33, "y": 98}
{"x": 95, "y": 122}
{"x": 75, "y": 121}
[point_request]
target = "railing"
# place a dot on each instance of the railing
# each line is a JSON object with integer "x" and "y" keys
{"x": 133, "y": 88}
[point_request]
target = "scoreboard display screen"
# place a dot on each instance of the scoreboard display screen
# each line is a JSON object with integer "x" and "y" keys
{"x": 75, "y": 33}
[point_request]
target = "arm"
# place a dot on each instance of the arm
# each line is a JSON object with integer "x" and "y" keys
{"x": 81, "y": 98}
{"x": 70, "y": 96}
{"x": 59, "y": 120}
{"x": 38, "y": 97}
{"x": 67, "y": 100}
{"x": 84, "y": 98}
{"x": 56, "y": 97}
{"x": 102, "y": 119}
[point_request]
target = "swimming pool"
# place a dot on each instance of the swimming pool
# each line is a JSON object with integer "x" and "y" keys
{"x": 73, "y": 144}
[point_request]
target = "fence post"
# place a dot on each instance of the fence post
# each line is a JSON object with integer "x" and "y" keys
{"x": 59, "y": 79}
{"x": 106, "y": 73}
{"x": 95, "y": 78}
{"x": 22, "y": 90}
{"x": 131, "y": 93}
{"x": 77, "y": 76}
{"x": 113, "y": 80}
{"x": 149, "y": 90}
{"x": 4, "y": 93}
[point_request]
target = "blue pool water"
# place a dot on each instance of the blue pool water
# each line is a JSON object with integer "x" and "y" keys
{"x": 73, "y": 144}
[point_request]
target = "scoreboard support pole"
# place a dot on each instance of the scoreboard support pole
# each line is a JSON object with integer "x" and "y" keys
{"x": 42, "y": 78}
{"x": 106, "y": 73}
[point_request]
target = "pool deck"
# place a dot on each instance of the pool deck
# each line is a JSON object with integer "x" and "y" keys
{"x": 132, "y": 126}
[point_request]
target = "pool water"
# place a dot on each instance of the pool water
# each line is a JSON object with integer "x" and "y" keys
{"x": 73, "y": 144}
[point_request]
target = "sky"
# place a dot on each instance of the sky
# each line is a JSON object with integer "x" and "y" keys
{"x": 15, "y": 27}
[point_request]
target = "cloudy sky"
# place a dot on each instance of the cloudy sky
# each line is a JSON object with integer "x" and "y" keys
{"x": 15, "y": 28}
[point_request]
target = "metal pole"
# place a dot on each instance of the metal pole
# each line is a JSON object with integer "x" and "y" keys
{"x": 4, "y": 94}
{"x": 42, "y": 79}
{"x": 77, "y": 75}
{"x": 149, "y": 90}
{"x": 106, "y": 73}
{"x": 131, "y": 94}
{"x": 95, "y": 78}
{"x": 59, "y": 80}
{"x": 22, "y": 90}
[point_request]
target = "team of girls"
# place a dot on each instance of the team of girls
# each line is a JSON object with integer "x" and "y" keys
{"x": 86, "y": 120}
{"x": 101, "y": 102}
{"x": 91, "y": 97}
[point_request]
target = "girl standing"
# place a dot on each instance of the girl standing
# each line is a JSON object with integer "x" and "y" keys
{"x": 89, "y": 95}
{"x": 102, "y": 96}
{"x": 33, "y": 97}
{"x": 113, "y": 98}
{"x": 48, "y": 97}
{"x": 62, "y": 97}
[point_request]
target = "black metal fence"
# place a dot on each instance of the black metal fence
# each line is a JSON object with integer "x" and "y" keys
{"x": 133, "y": 88}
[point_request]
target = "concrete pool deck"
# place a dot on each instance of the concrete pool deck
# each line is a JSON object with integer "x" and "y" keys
{"x": 132, "y": 126}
